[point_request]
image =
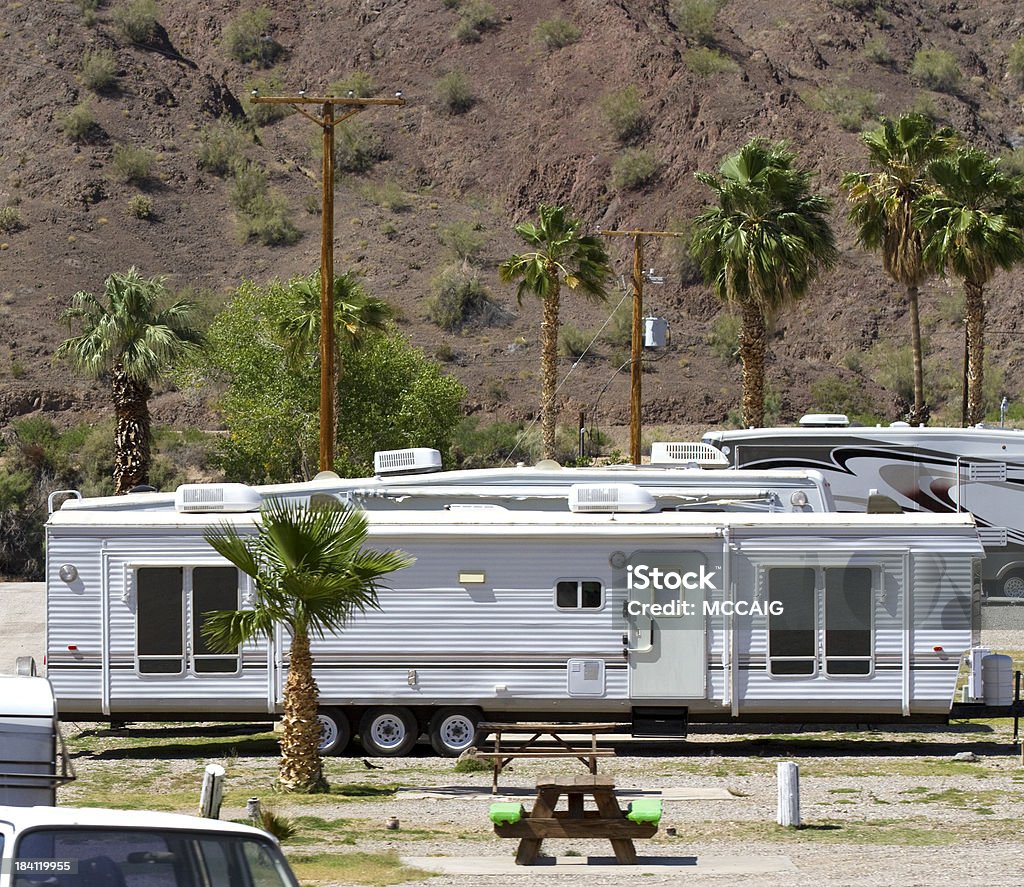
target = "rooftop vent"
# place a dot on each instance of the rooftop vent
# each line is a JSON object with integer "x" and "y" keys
{"x": 824, "y": 420}
{"x": 698, "y": 454}
{"x": 415, "y": 460}
{"x": 609, "y": 498}
{"x": 196, "y": 498}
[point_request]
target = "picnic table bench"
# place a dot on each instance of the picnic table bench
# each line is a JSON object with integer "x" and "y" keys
{"x": 607, "y": 821}
{"x": 503, "y": 754}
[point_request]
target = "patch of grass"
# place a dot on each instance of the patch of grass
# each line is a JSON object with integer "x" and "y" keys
{"x": 1015, "y": 61}
{"x": 221, "y": 147}
{"x": 10, "y": 220}
{"x": 78, "y": 124}
{"x": 458, "y": 298}
{"x": 705, "y": 62}
{"x": 281, "y": 827}
{"x": 834, "y": 394}
{"x": 555, "y": 33}
{"x": 132, "y": 163}
{"x": 466, "y": 240}
{"x": 476, "y": 17}
{"x": 625, "y": 114}
{"x": 99, "y": 69}
{"x": 1012, "y": 163}
{"x": 356, "y": 148}
{"x": 246, "y": 39}
{"x": 633, "y": 169}
{"x": 472, "y": 765}
{"x": 360, "y": 84}
{"x": 877, "y": 51}
{"x": 851, "y": 107}
{"x": 387, "y": 195}
{"x": 266, "y": 114}
{"x": 136, "y": 20}
{"x": 936, "y": 69}
{"x": 374, "y": 869}
{"x": 140, "y": 206}
{"x": 724, "y": 337}
{"x": 262, "y": 214}
{"x": 695, "y": 19}
{"x": 454, "y": 92}
{"x": 572, "y": 341}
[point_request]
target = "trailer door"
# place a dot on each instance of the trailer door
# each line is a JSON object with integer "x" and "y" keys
{"x": 665, "y": 633}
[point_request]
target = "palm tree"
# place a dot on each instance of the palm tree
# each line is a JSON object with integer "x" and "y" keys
{"x": 882, "y": 207}
{"x": 560, "y": 253}
{"x": 761, "y": 247}
{"x": 972, "y": 224}
{"x": 126, "y": 337}
{"x": 311, "y": 574}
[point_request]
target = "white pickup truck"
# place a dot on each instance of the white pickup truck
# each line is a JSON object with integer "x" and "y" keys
{"x": 69, "y": 847}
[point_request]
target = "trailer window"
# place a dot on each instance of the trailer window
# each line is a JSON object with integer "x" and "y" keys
{"x": 849, "y": 604}
{"x": 792, "y": 631}
{"x": 578, "y": 594}
{"x": 159, "y": 620}
{"x": 213, "y": 588}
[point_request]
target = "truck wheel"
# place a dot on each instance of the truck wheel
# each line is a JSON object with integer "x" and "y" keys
{"x": 1013, "y": 584}
{"x": 335, "y": 732}
{"x": 388, "y": 732}
{"x": 453, "y": 730}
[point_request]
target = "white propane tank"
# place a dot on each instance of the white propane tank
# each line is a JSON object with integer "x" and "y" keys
{"x": 997, "y": 676}
{"x": 975, "y": 678}
{"x": 655, "y": 333}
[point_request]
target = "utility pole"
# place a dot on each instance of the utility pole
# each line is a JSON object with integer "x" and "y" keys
{"x": 328, "y": 356}
{"x": 636, "y": 350}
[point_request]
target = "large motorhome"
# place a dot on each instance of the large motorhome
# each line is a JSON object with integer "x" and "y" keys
{"x": 596, "y": 612}
{"x": 980, "y": 470}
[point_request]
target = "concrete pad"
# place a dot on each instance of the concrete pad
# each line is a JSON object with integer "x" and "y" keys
{"x": 679, "y": 866}
{"x": 22, "y": 623}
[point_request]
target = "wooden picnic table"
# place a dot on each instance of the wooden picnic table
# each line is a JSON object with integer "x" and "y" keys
{"x": 545, "y": 821}
{"x": 503, "y": 754}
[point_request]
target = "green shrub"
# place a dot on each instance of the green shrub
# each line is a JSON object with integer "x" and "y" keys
{"x": 136, "y": 20}
{"x": 833, "y": 394}
{"x": 472, "y": 765}
{"x": 618, "y": 332}
{"x": 924, "y": 105}
{"x": 133, "y": 164}
{"x": 936, "y": 69}
{"x": 245, "y": 38}
{"x": 476, "y": 445}
{"x": 634, "y": 168}
{"x": 265, "y": 114}
{"x": 684, "y": 265}
{"x": 266, "y": 220}
{"x": 555, "y": 33}
{"x": 1015, "y": 61}
{"x": 1012, "y": 161}
{"x": 851, "y": 107}
{"x": 625, "y": 114}
{"x": 572, "y": 341}
{"x": 248, "y": 185}
{"x": 479, "y": 16}
{"x": 140, "y": 207}
{"x": 221, "y": 147}
{"x": 79, "y": 124}
{"x": 454, "y": 92}
{"x": 724, "y": 338}
{"x": 857, "y": 6}
{"x": 99, "y": 69}
{"x": 10, "y": 219}
{"x": 459, "y": 298}
{"x": 695, "y": 19}
{"x": 465, "y": 33}
{"x": 359, "y": 83}
{"x": 356, "y": 148}
{"x": 465, "y": 239}
{"x": 704, "y": 62}
{"x": 387, "y": 195}
{"x": 877, "y": 51}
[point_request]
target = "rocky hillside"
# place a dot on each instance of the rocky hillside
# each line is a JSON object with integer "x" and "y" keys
{"x": 499, "y": 117}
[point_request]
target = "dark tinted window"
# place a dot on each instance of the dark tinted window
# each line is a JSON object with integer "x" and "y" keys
{"x": 792, "y": 633}
{"x": 159, "y": 620}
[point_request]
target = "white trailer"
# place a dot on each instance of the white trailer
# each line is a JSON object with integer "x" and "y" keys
{"x": 925, "y": 469}
{"x": 641, "y": 618}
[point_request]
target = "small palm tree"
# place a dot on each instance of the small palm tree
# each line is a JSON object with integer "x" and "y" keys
{"x": 560, "y": 253}
{"x": 761, "y": 247}
{"x": 882, "y": 208}
{"x": 127, "y": 338}
{"x": 972, "y": 223}
{"x": 312, "y": 574}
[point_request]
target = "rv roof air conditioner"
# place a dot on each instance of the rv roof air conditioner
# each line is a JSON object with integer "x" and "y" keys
{"x": 194, "y": 498}
{"x": 824, "y": 420}
{"x": 697, "y": 454}
{"x": 610, "y": 499}
{"x": 415, "y": 460}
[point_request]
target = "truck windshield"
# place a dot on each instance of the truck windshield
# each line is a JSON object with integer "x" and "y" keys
{"x": 100, "y": 857}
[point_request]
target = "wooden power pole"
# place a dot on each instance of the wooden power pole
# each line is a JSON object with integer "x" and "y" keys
{"x": 636, "y": 350}
{"x": 328, "y": 352}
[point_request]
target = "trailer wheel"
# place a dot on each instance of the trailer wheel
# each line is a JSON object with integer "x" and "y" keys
{"x": 453, "y": 730}
{"x": 335, "y": 732}
{"x": 388, "y": 732}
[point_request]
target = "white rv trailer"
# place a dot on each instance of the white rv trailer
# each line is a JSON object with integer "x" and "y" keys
{"x": 649, "y": 618}
{"x": 980, "y": 470}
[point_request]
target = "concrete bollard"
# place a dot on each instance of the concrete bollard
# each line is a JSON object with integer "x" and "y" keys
{"x": 212, "y": 792}
{"x": 252, "y": 810}
{"x": 789, "y": 794}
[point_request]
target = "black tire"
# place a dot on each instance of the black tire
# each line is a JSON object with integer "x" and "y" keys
{"x": 335, "y": 731}
{"x": 388, "y": 731}
{"x": 453, "y": 730}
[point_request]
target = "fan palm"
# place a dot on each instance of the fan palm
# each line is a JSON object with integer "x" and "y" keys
{"x": 761, "y": 247}
{"x": 882, "y": 208}
{"x": 311, "y": 575}
{"x": 972, "y": 223}
{"x": 127, "y": 337}
{"x": 560, "y": 253}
